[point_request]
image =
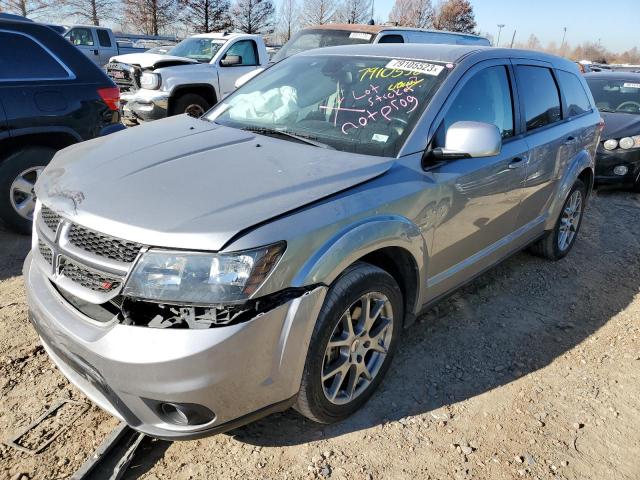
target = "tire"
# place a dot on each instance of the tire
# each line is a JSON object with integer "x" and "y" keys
{"x": 346, "y": 294}
{"x": 190, "y": 103}
{"x": 15, "y": 200}
{"x": 549, "y": 246}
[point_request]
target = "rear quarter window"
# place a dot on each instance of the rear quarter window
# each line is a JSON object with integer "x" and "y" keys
{"x": 540, "y": 96}
{"x": 21, "y": 58}
{"x": 574, "y": 93}
{"x": 104, "y": 38}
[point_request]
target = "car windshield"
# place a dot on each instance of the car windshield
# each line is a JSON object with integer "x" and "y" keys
{"x": 309, "y": 39}
{"x": 200, "y": 49}
{"x": 616, "y": 95}
{"x": 363, "y": 105}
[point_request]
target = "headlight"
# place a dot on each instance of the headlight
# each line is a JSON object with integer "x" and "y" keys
{"x": 201, "y": 278}
{"x": 610, "y": 144}
{"x": 626, "y": 143}
{"x": 150, "y": 80}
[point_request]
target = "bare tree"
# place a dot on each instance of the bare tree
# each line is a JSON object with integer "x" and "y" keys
{"x": 455, "y": 16}
{"x": 253, "y": 16}
{"x": 287, "y": 19}
{"x": 412, "y": 13}
{"x": 149, "y": 16}
{"x": 318, "y": 12}
{"x": 353, "y": 11}
{"x": 26, "y": 8}
{"x": 90, "y": 11}
{"x": 205, "y": 16}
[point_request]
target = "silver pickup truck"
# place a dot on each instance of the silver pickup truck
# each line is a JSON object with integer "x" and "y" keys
{"x": 190, "y": 78}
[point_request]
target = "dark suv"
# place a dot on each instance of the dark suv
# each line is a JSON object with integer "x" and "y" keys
{"x": 51, "y": 96}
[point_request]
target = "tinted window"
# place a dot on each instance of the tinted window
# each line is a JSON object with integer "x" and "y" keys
{"x": 103, "y": 38}
{"x": 80, "y": 37}
{"x": 577, "y": 99}
{"x": 392, "y": 39}
{"x": 246, "y": 50}
{"x": 22, "y": 58}
{"x": 540, "y": 96}
{"x": 486, "y": 97}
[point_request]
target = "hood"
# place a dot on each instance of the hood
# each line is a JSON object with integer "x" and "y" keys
{"x": 187, "y": 183}
{"x": 149, "y": 60}
{"x": 619, "y": 125}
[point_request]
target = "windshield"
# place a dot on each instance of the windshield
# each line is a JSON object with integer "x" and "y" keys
{"x": 308, "y": 39}
{"x": 616, "y": 95}
{"x": 353, "y": 104}
{"x": 200, "y": 49}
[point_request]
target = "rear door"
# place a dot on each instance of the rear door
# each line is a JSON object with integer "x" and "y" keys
{"x": 108, "y": 47}
{"x": 548, "y": 137}
{"x": 247, "y": 50}
{"x": 4, "y": 128}
{"x": 480, "y": 197}
{"x": 83, "y": 39}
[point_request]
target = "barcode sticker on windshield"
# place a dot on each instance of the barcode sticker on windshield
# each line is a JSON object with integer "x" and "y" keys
{"x": 360, "y": 35}
{"x": 631, "y": 85}
{"x": 413, "y": 66}
{"x": 378, "y": 137}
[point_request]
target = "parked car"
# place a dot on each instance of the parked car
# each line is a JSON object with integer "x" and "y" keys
{"x": 270, "y": 253}
{"x": 617, "y": 96}
{"x": 51, "y": 96}
{"x": 190, "y": 78}
{"x": 334, "y": 34}
{"x": 99, "y": 43}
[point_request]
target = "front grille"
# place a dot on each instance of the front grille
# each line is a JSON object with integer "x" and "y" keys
{"x": 124, "y": 76}
{"x": 50, "y": 218}
{"x": 103, "y": 245}
{"x": 46, "y": 252}
{"x": 91, "y": 279}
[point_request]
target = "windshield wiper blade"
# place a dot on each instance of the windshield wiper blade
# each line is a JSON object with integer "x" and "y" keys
{"x": 283, "y": 133}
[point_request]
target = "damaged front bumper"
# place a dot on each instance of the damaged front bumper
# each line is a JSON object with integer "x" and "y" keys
{"x": 178, "y": 383}
{"x": 144, "y": 105}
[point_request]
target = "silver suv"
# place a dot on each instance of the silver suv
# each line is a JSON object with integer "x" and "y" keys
{"x": 192, "y": 275}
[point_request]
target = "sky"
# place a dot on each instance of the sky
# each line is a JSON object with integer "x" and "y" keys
{"x": 614, "y": 23}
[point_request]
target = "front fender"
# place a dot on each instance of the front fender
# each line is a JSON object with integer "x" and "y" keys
{"x": 580, "y": 162}
{"x": 357, "y": 240}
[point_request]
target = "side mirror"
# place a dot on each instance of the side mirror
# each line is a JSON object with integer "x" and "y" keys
{"x": 231, "y": 60}
{"x": 468, "y": 139}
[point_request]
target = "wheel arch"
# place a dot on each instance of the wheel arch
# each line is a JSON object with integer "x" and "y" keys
{"x": 57, "y": 139}
{"x": 205, "y": 90}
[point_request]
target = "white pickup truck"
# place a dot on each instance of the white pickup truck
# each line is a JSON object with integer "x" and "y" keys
{"x": 98, "y": 43}
{"x": 190, "y": 78}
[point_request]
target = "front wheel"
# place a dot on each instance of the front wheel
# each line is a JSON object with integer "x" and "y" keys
{"x": 352, "y": 344}
{"x": 558, "y": 242}
{"x": 191, "y": 104}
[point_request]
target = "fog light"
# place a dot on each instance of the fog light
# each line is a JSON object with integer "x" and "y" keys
{"x": 185, "y": 413}
{"x": 621, "y": 170}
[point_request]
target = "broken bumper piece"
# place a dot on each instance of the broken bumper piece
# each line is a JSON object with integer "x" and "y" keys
{"x": 178, "y": 383}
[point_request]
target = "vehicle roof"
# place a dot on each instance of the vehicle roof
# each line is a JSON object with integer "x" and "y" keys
{"x": 357, "y": 27}
{"x": 440, "y": 52}
{"x": 616, "y": 74}
{"x": 223, "y": 35}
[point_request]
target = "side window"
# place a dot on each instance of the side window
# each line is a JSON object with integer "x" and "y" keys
{"x": 577, "y": 99}
{"x": 486, "y": 97}
{"x": 103, "y": 38}
{"x": 22, "y": 58}
{"x": 539, "y": 93}
{"x": 391, "y": 39}
{"x": 246, "y": 50}
{"x": 80, "y": 37}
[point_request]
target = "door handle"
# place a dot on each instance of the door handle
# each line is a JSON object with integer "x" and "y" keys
{"x": 517, "y": 162}
{"x": 95, "y": 52}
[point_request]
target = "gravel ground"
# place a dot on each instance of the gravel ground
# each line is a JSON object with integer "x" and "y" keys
{"x": 532, "y": 371}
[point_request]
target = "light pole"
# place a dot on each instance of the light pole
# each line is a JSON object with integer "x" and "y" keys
{"x": 564, "y": 35}
{"x": 500, "y": 27}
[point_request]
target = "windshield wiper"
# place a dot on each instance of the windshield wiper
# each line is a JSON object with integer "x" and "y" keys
{"x": 283, "y": 133}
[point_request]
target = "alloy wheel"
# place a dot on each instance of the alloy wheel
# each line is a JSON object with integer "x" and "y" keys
{"x": 570, "y": 220}
{"x": 357, "y": 348}
{"x": 194, "y": 110}
{"x": 22, "y": 194}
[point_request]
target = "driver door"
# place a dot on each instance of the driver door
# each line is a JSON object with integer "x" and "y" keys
{"x": 479, "y": 199}
{"x": 249, "y": 61}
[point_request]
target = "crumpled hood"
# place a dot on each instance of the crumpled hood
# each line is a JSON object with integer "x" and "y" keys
{"x": 619, "y": 125}
{"x": 187, "y": 183}
{"x": 148, "y": 60}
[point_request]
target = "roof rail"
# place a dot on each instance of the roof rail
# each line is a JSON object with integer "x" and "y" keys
{"x": 11, "y": 16}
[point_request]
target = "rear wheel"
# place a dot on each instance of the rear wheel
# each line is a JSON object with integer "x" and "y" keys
{"x": 18, "y": 175}
{"x": 558, "y": 242}
{"x": 353, "y": 342}
{"x": 190, "y": 103}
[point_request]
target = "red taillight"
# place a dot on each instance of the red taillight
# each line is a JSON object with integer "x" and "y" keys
{"x": 601, "y": 124}
{"x": 110, "y": 96}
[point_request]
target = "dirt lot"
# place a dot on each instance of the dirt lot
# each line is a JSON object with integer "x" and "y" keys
{"x": 532, "y": 371}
